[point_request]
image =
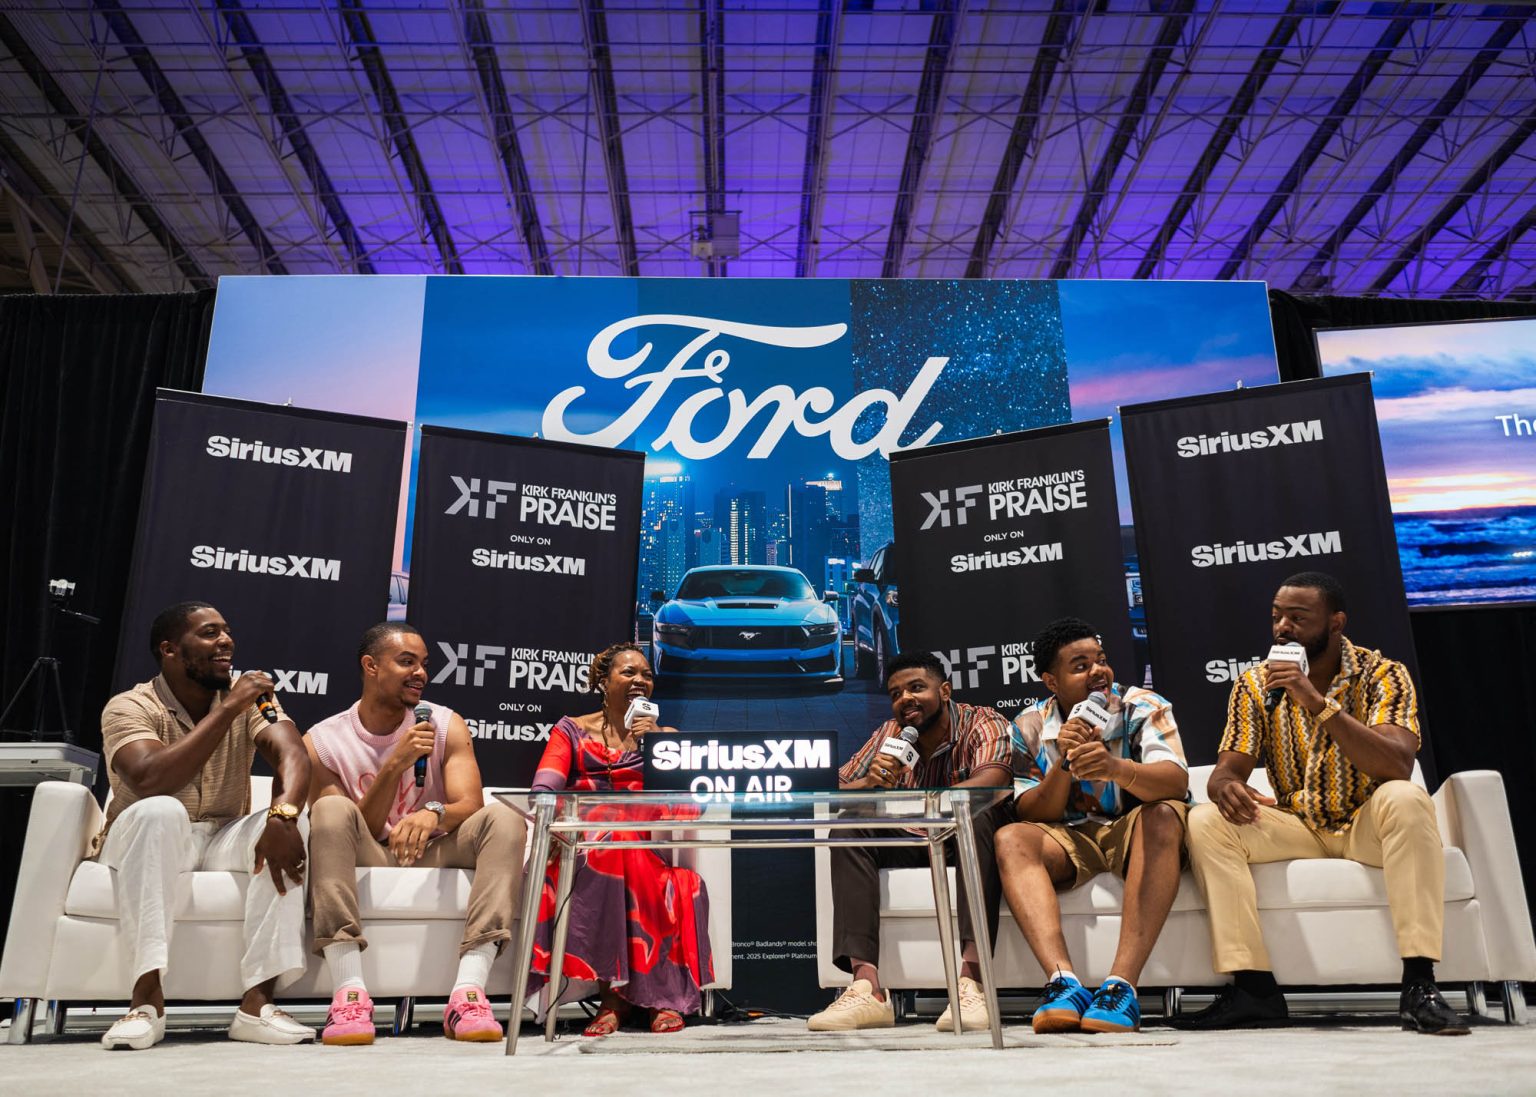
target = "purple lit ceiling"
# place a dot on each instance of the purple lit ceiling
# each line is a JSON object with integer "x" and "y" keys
{"x": 1356, "y": 148}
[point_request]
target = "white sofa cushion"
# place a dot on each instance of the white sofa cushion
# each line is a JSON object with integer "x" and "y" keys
{"x": 1284, "y": 885}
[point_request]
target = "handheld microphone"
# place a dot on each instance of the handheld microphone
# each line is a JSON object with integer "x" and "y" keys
{"x": 902, "y": 747}
{"x": 1284, "y": 653}
{"x": 639, "y": 708}
{"x": 1093, "y": 710}
{"x": 264, "y": 704}
{"x": 423, "y": 716}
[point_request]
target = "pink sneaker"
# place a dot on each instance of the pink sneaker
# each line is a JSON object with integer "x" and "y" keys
{"x": 350, "y": 1020}
{"x": 468, "y": 1017}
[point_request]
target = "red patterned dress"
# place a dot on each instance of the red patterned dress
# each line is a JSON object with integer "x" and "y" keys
{"x": 636, "y": 922}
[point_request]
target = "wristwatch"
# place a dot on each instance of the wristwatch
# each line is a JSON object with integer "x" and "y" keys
{"x": 1331, "y": 708}
{"x": 435, "y": 805}
{"x": 286, "y": 812}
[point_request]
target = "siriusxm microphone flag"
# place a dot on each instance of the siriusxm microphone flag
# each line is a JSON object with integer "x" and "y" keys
{"x": 523, "y": 561}
{"x": 997, "y": 536}
{"x": 1234, "y": 491}
{"x": 281, "y": 518}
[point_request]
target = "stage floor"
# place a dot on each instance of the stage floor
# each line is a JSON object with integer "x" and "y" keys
{"x": 779, "y": 1057}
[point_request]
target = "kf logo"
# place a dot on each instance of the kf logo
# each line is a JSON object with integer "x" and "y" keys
{"x": 965, "y": 499}
{"x": 469, "y": 495}
{"x": 458, "y": 662}
{"x": 966, "y": 664}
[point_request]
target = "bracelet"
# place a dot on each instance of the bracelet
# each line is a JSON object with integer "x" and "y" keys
{"x": 1135, "y": 773}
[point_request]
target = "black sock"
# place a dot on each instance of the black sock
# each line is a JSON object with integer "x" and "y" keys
{"x": 1260, "y": 984}
{"x": 1418, "y": 969}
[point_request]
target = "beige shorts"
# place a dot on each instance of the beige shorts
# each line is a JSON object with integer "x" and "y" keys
{"x": 1095, "y": 847}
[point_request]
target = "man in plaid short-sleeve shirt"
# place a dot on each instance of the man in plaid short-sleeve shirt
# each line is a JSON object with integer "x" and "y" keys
{"x": 958, "y": 744}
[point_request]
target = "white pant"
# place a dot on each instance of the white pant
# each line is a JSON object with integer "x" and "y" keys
{"x": 153, "y": 842}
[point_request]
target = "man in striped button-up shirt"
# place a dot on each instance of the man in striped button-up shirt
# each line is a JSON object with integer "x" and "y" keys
{"x": 1338, "y": 744}
{"x": 958, "y": 744}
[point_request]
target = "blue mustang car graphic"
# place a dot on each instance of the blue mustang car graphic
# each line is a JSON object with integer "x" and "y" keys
{"x": 751, "y": 621}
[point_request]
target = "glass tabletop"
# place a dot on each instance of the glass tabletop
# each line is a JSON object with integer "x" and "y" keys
{"x": 653, "y": 807}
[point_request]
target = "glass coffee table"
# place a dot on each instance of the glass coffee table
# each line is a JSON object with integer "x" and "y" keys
{"x": 573, "y": 821}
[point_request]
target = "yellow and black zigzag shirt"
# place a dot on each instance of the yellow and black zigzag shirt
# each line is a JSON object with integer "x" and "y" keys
{"x": 1311, "y": 776}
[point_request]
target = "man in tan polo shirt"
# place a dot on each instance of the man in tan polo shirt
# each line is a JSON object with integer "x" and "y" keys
{"x": 179, "y": 750}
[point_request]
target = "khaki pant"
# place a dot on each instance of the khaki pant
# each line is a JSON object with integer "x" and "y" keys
{"x": 1395, "y": 831}
{"x": 490, "y": 841}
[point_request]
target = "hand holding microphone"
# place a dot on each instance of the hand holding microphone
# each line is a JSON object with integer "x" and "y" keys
{"x": 896, "y": 754}
{"x": 423, "y": 718}
{"x": 254, "y": 687}
{"x": 641, "y": 716}
{"x": 1285, "y": 664}
{"x": 1091, "y": 716}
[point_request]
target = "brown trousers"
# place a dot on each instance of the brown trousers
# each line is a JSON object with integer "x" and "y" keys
{"x": 490, "y": 841}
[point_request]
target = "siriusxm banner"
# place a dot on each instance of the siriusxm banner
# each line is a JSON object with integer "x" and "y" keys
{"x": 279, "y": 517}
{"x": 525, "y": 560}
{"x": 1235, "y": 491}
{"x": 998, "y": 536}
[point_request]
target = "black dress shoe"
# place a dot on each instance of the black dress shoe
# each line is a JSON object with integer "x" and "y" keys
{"x": 1422, "y": 1009}
{"x": 1234, "y": 1008}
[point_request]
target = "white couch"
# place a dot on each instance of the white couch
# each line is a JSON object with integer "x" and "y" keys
{"x": 62, "y": 942}
{"x": 1326, "y": 922}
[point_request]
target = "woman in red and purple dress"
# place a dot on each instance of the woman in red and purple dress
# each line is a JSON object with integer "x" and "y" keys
{"x": 638, "y": 926}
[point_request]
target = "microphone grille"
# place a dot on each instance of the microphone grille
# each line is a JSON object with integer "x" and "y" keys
{"x": 423, "y": 712}
{"x": 1100, "y": 698}
{"x": 909, "y": 735}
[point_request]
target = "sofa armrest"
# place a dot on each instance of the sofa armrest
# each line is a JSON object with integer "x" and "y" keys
{"x": 1474, "y": 817}
{"x": 64, "y": 818}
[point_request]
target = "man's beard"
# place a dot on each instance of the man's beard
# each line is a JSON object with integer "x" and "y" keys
{"x": 1315, "y": 649}
{"x": 206, "y": 674}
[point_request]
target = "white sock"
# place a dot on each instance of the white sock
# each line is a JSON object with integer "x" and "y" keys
{"x": 345, "y": 961}
{"x": 1066, "y": 973}
{"x": 475, "y": 967}
{"x": 1119, "y": 979}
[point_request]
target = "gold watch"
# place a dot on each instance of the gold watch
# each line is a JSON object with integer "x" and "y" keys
{"x": 286, "y": 812}
{"x": 1331, "y": 708}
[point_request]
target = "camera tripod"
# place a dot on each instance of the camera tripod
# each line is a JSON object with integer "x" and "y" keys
{"x": 44, "y": 686}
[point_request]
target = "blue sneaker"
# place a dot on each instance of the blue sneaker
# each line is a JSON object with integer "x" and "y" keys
{"x": 1061, "y": 1005}
{"x": 1115, "y": 1008}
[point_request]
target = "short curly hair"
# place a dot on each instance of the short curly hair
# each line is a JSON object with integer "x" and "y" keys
{"x": 1057, "y": 635}
{"x": 602, "y": 662}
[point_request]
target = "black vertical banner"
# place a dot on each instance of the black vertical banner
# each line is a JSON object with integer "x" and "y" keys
{"x": 523, "y": 564}
{"x": 283, "y": 519}
{"x": 1232, "y": 493}
{"x": 995, "y": 537}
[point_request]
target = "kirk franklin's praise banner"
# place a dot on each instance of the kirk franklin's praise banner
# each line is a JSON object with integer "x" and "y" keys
{"x": 522, "y": 568}
{"x": 1232, "y": 493}
{"x": 997, "y": 536}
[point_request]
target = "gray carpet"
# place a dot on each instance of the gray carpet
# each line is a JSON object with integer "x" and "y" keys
{"x": 779, "y": 1058}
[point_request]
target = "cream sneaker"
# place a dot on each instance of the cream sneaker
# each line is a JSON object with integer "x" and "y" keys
{"x": 138, "y": 1029}
{"x": 856, "y": 1008}
{"x": 272, "y": 1026}
{"x": 973, "y": 1009}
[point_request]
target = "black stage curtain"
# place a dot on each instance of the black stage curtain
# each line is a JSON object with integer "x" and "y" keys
{"x": 77, "y": 386}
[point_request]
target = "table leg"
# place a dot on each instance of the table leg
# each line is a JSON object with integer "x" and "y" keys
{"x": 970, "y": 876}
{"x": 561, "y": 927}
{"x": 528, "y": 921}
{"x": 947, "y": 925}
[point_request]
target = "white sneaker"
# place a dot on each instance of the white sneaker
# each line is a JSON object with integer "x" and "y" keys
{"x": 140, "y": 1028}
{"x": 856, "y": 1008}
{"x": 273, "y": 1026}
{"x": 973, "y": 1009}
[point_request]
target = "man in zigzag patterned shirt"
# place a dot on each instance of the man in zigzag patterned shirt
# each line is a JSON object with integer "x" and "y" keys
{"x": 1338, "y": 745}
